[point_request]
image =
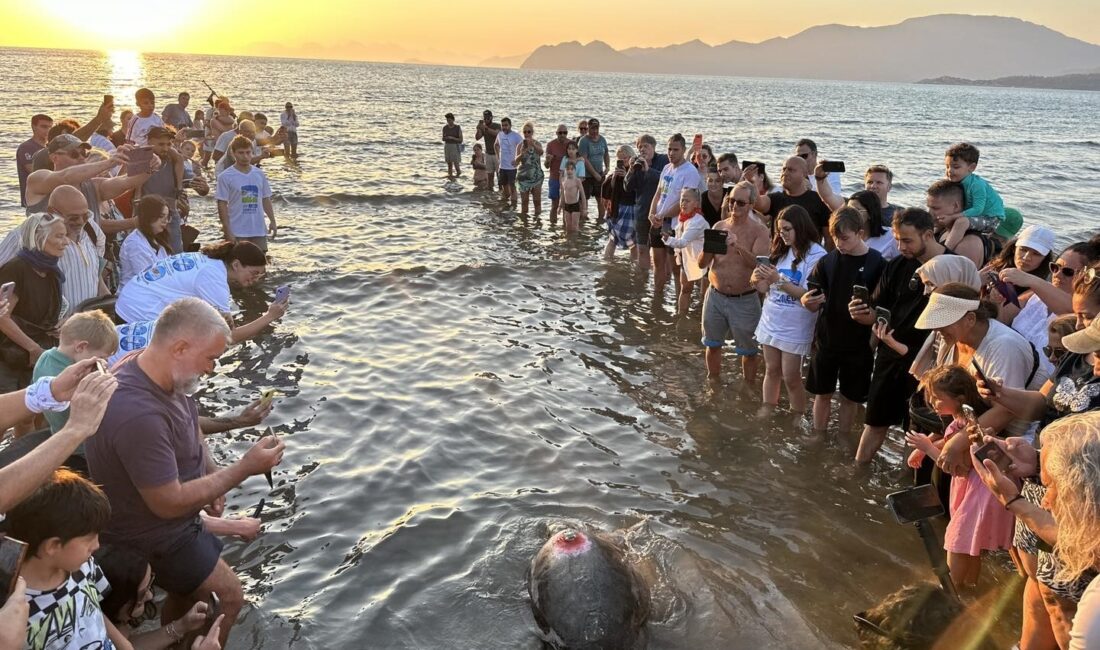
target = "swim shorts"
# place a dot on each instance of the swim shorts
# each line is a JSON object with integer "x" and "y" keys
{"x": 506, "y": 177}
{"x": 555, "y": 188}
{"x": 731, "y": 317}
{"x": 491, "y": 163}
{"x": 888, "y": 398}
{"x": 183, "y": 567}
{"x": 851, "y": 368}
{"x": 591, "y": 187}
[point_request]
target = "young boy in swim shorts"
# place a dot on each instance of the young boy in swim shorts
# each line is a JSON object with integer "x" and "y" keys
{"x": 572, "y": 198}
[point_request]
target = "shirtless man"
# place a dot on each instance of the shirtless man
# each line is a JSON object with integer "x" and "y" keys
{"x": 945, "y": 197}
{"x": 732, "y": 307}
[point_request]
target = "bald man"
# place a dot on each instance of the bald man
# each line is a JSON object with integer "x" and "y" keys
{"x": 796, "y": 191}
{"x": 555, "y": 152}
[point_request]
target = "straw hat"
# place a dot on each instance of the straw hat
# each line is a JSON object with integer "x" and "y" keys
{"x": 1084, "y": 341}
{"x": 944, "y": 310}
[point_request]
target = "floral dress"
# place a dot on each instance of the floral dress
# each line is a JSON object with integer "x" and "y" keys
{"x": 529, "y": 175}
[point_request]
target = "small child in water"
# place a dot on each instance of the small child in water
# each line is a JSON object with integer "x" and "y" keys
{"x": 477, "y": 161}
{"x": 572, "y": 198}
{"x": 978, "y": 521}
{"x": 984, "y": 209}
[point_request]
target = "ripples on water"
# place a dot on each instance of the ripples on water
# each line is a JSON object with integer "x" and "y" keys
{"x": 454, "y": 379}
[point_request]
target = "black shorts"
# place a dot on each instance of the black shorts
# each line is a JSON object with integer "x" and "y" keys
{"x": 853, "y": 369}
{"x": 641, "y": 226}
{"x": 591, "y": 187}
{"x": 506, "y": 177}
{"x": 891, "y": 388}
{"x": 182, "y": 567}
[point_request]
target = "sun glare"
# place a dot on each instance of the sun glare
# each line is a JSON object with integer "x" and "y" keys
{"x": 117, "y": 23}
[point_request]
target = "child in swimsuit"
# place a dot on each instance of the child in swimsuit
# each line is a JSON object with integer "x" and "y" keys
{"x": 572, "y": 198}
{"x": 477, "y": 161}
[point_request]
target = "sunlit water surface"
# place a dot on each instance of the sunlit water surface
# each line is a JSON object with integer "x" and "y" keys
{"x": 454, "y": 378}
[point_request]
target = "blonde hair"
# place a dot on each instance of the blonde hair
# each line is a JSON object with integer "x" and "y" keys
{"x": 529, "y": 125}
{"x": 35, "y": 229}
{"x": 1071, "y": 455}
{"x": 95, "y": 327}
{"x": 627, "y": 149}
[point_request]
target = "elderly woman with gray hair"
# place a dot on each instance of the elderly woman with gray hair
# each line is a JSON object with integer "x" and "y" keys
{"x": 35, "y": 304}
{"x": 1069, "y": 516}
{"x": 620, "y": 206}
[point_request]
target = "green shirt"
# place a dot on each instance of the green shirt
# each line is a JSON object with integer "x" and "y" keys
{"x": 50, "y": 364}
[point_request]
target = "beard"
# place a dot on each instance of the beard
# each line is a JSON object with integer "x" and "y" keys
{"x": 188, "y": 384}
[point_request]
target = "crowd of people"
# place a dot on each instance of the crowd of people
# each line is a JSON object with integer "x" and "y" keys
{"x": 952, "y": 324}
{"x": 111, "y": 313}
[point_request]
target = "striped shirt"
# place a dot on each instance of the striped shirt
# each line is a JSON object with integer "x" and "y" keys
{"x": 81, "y": 264}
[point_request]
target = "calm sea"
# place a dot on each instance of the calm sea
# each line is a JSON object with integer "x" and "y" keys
{"x": 454, "y": 378}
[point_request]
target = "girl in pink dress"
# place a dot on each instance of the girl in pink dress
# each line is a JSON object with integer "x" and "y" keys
{"x": 978, "y": 521}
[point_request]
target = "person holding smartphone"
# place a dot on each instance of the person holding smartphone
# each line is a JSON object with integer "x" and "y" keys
{"x": 676, "y": 175}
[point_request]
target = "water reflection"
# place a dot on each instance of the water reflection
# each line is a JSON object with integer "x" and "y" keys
{"x": 127, "y": 72}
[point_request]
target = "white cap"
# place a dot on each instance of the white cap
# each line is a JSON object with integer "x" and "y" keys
{"x": 1038, "y": 238}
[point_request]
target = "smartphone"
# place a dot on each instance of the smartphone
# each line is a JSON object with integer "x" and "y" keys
{"x": 259, "y": 509}
{"x": 12, "y": 554}
{"x": 215, "y": 609}
{"x": 620, "y": 165}
{"x": 139, "y": 161}
{"x": 813, "y": 285}
{"x": 915, "y": 504}
{"x": 714, "y": 241}
{"x": 978, "y": 369}
{"x": 101, "y": 366}
{"x": 763, "y": 260}
{"x": 860, "y": 293}
{"x": 282, "y": 294}
{"x": 193, "y": 133}
{"x": 882, "y": 315}
{"x": 993, "y": 452}
{"x": 7, "y": 290}
{"x": 830, "y": 166}
{"x": 697, "y": 143}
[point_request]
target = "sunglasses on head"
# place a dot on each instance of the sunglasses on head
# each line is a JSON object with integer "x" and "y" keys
{"x": 1063, "y": 270}
{"x": 1090, "y": 274}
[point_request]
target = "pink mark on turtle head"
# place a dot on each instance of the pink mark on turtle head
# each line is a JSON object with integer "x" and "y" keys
{"x": 571, "y": 542}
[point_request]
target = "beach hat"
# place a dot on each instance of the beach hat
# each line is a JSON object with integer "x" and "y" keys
{"x": 944, "y": 310}
{"x": 1084, "y": 341}
{"x": 66, "y": 142}
{"x": 1039, "y": 238}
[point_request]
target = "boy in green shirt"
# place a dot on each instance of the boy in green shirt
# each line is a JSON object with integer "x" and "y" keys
{"x": 83, "y": 336}
{"x": 984, "y": 208}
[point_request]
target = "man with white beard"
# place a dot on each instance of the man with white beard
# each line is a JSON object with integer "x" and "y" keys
{"x": 150, "y": 458}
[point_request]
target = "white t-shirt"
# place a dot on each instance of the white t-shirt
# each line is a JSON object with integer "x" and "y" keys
{"x": 180, "y": 276}
{"x": 885, "y": 244}
{"x": 132, "y": 336}
{"x": 136, "y": 255}
{"x": 834, "y": 182}
{"x": 243, "y": 193}
{"x": 70, "y": 615}
{"x": 508, "y": 142}
{"x": 101, "y": 142}
{"x": 674, "y": 179}
{"x": 137, "y": 131}
{"x": 1085, "y": 633}
{"x": 688, "y": 244}
{"x": 226, "y": 161}
{"x": 783, "y": 318}
{"x": 290, "y": 123}
{"x": 1031, "y": 323}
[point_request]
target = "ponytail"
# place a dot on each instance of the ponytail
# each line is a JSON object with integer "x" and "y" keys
{"x": 245, "y": 252}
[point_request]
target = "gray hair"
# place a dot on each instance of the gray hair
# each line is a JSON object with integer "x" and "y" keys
{"x": 745, "y": 185}
{"x": 1071, "y": 450}
{"x": 693, "y": 192}
{"x": 35, "y": 229}
{"x": 189, "y": 318}
{"x": 627, "y": 149}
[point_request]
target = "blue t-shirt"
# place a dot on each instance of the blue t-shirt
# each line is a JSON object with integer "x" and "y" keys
{"x": 594, "y": 151}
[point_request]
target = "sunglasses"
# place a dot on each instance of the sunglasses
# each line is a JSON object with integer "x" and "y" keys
{"x": 1065, "y": 271}
{"x": 583, "y": 128}
{"x": 1090, "y": 274}
{"x": 563, "y": 132}
{"x": 1054, "y": 354}
{"x": 78, "y": 154}
{"x": 804, "y": 156}
{"x": 740, "y": 202}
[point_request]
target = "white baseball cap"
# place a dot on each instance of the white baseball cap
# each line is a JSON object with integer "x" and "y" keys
{"x": 1038, "y": 238}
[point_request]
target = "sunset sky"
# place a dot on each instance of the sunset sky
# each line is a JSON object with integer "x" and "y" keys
{"x": 464, "y": 31}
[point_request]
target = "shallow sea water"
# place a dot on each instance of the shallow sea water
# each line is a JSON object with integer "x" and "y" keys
{"x": 454, "y": 378}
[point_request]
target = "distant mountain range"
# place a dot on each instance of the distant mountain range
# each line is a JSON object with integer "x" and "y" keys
{"x": 1062, "y": 82}
{"x": 976, "y": 47}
